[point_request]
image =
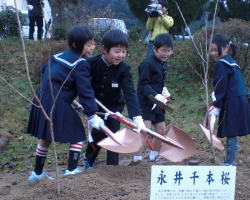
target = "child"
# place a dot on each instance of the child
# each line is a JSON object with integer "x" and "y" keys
{"x": 69, "y": 75}
{"x": 113, "y": 84}
{"x": 152, "y": 74}
{"x": 230, "y": 101}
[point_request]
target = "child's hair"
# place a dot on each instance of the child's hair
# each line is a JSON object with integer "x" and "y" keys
{"x": 77, "y": 36}
{"x": 164, "y": 3}
{"x": 114, "y": 38}
{"x": 221, "y": 41}
{"x": 163, "y": 39}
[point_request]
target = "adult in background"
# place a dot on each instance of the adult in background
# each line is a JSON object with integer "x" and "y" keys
{"x": 158, "y": 24}
{"x": 35, "y": 14}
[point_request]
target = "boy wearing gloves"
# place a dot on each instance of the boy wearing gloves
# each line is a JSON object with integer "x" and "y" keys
{"x": 113, "y": 85}
{"x": 152, "y": 74}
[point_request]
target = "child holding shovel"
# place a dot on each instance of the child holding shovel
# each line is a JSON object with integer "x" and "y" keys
{"x": 152, "y": 74}
{"x": 230, "y": 101}
{"x": 114, "y": 87}
{"x": 66, "y": 75}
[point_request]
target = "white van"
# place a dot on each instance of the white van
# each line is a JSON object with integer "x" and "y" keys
{"x": 105, "y": 24}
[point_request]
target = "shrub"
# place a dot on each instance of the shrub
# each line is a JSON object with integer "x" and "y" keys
{"x": 236, "y": 30}
{"x": 49, "y": 48}
{"x": 59, "y": 32}
{"x": 8, "y": 21}
{"x": 135, "y": 33}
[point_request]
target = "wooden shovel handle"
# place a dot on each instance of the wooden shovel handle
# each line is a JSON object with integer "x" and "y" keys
{"x": 152, "y": 133}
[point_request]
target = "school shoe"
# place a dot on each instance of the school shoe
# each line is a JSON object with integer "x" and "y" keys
{"x": 88, "y": 165}
{"x": 226, "y": 163}
{"x": 156, "y": 160}
{"x": 75, "y": 171}
{"x": 33, "y": 176}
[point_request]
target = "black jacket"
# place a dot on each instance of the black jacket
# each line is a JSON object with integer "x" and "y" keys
{"x": 114, "y": 85}
{"x": 152, "y": 74}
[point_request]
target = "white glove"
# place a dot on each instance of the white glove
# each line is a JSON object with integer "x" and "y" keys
{"x": 165, "y": 93}
{"x": 30, "y": 7}
{"x": 139, "y": 123}
{"x": 214, "y": 111}
{"x": 160, "y": 98}
{"x": 213, "y": 96}
{"x": 95, "y": 121}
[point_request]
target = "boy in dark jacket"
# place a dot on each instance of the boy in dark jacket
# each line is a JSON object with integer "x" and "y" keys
{"x": 113, "y": 85}
{"x": 152, "y": 74}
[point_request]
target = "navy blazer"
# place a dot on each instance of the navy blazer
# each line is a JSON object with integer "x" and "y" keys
{"x": 228, "y": 81}
{"x": 77, "y": 84}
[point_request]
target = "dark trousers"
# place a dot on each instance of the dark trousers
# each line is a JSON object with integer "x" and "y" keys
{"x": 93, "y": 149}
{"x": 39, "y": 24}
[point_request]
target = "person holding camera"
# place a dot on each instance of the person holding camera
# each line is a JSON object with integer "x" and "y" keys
{"x": 158, "y": 22}
{"x": 35, "y": 14}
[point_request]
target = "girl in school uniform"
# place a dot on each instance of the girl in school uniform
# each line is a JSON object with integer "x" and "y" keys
{"x": 230, "y": 101}
{"x": 64, "y": 77}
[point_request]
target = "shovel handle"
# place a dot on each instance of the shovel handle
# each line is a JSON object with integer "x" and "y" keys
{"x": 152, "y": 133}
{"x": 165, "y": 139}
{"x": 100, "y": 104}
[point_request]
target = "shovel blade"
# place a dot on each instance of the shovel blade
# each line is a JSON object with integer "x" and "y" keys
{"x": 174, "y": 153}
{"x": 216, "y": 142}
{"x": 129, "y": 142}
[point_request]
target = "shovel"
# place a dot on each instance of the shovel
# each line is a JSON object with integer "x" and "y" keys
{"x": 173, "y": 153}
{"x": 176, "y": 139}
{"x": 215, "y": 141}
{"x": 159, "y": 103}
{"x": 115, "y": 142}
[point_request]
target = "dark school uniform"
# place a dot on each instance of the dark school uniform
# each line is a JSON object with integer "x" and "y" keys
{"x": 67, "y": 125}
{"x": 114, "y": 87}
{"x": 231, "y": 96}
{"x": 152, "y": 75}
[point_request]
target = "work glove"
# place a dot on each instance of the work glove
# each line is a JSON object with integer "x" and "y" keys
{"x": 139, "y": 123}
{"x": 30, "y": 7}
{"x": 214, "y": 111}
{"x": 165, "y": 93}
{"x": 95, "y": 121}
{"x": 213, "y": 97}
{"x": 159, "y": 97}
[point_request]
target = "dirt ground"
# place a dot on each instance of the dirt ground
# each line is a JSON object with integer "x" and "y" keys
{"x": 128, "y": 181}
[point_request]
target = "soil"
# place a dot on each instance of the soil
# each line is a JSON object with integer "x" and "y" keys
{"x": 128, "y": 181}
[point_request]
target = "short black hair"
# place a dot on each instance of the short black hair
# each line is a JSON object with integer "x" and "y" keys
{"x": 163, "y": 3}
{"x": 221, "y": 41}
{"x": 163, "y": 39}
{"x": 77, "y": 36}
{"x": 114, "y": 38}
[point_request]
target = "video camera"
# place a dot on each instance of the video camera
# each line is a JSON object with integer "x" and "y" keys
{"x": 154, "y": 9}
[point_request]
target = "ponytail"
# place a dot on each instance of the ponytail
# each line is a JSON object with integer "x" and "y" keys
{"x": 234, "y": 48}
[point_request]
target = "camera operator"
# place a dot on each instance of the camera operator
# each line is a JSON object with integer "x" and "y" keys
{"x": 158, "y": 22}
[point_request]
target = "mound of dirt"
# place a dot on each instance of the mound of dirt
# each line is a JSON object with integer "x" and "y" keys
{"x": 128, "y": 181}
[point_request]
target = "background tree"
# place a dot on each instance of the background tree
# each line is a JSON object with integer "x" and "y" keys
{"x": 191, "y": 10}
{"x": 237, "y": 9}
{"x": 120, "y": 8}
{"x": 64, "y": 15}
{"x": 137, "y": 7}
